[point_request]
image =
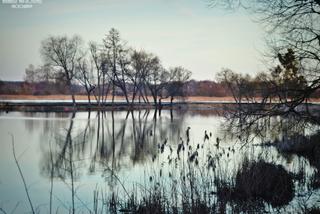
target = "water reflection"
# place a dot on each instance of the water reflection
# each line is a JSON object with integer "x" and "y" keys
{"x": 177, "y": 161}
{"x": 247, "y": 128}
{"x": 292, "y": 138}
{"x": 257, "y": 182}
{"x": 103, "y": 141}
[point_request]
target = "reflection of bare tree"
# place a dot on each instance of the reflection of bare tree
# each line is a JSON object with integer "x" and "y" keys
{"x": 33, "y": 124}
{"x": 115, "y": 141}
{"x": 140, "y": 136}
{"x": 247, "y": 127}
{"x": 60, "y": 163}
{"x": 64, "y": 161}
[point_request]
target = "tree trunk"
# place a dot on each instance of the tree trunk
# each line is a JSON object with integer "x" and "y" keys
{"x": 126, "y": 96}
{"x": 159, "y": 103}
{"x": 73, "y": 99}
{"x": 155, "y": 100}
{"x": 89, "y": 100}
{"x": 113, "y": 92}
{"x": 72, "y": 92}
{"x": 146, "y": 95}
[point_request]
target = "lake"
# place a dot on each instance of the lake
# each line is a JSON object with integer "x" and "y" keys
{"x": 177, "y": 161}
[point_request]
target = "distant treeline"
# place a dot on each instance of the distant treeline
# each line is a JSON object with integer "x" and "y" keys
{"x": 190, "y": 88}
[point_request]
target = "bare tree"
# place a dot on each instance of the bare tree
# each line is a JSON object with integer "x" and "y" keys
{"x": 238, "y": 84}
{"x": 84, "y": 74}
{"x": 102, "y": 71}
{"x": 44, "y": 73}
{"x": 117, "y": 55}
{"x": 141, "y": 63}
{"x": 156, "y": 78}
{"x": 178, "y": 77}
{"x": 62, "y": 52}
{"x": 30, "y": 74}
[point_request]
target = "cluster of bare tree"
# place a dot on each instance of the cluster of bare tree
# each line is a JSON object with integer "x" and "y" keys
{"x": 284, "y": 86}
{"x": 111, "y": 68}
{"x": 42, "y": 80}
{"x": 294, "y": 39}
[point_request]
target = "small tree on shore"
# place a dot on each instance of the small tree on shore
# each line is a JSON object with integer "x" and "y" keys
{"x": 101, "y": 68}
{"x": 178, "y": 77}
{"x": 141, "y": 64}
{"x": 30, "y": 74}
{"x": 85, "y": 76}
{"x": 117, "y": 61}
{"x": 156, "y": 78}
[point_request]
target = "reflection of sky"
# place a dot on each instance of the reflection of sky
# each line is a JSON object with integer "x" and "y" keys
{"x": 181, "y": 32}
{"x": 33, "y": 132}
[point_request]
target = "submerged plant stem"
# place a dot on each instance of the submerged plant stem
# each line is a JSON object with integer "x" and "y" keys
{"x": 21, "y": 175}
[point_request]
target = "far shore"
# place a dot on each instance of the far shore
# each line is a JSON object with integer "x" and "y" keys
{"x": 63, "y": 103}
{"x": 59, "y": 103}
{"x": 84, "y": 97}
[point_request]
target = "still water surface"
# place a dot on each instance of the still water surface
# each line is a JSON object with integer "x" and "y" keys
{"x": 120, "y": 151}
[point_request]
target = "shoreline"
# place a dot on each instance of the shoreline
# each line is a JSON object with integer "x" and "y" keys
{"x": 85, "y": 98}
{"x": 67, "y": 106}
{"x": 63, "y": 103}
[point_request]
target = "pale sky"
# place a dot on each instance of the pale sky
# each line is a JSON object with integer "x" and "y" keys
{"x": 181, "y": 32}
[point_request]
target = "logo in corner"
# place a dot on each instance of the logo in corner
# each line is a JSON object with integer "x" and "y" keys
{"x": 21, "y": 4}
